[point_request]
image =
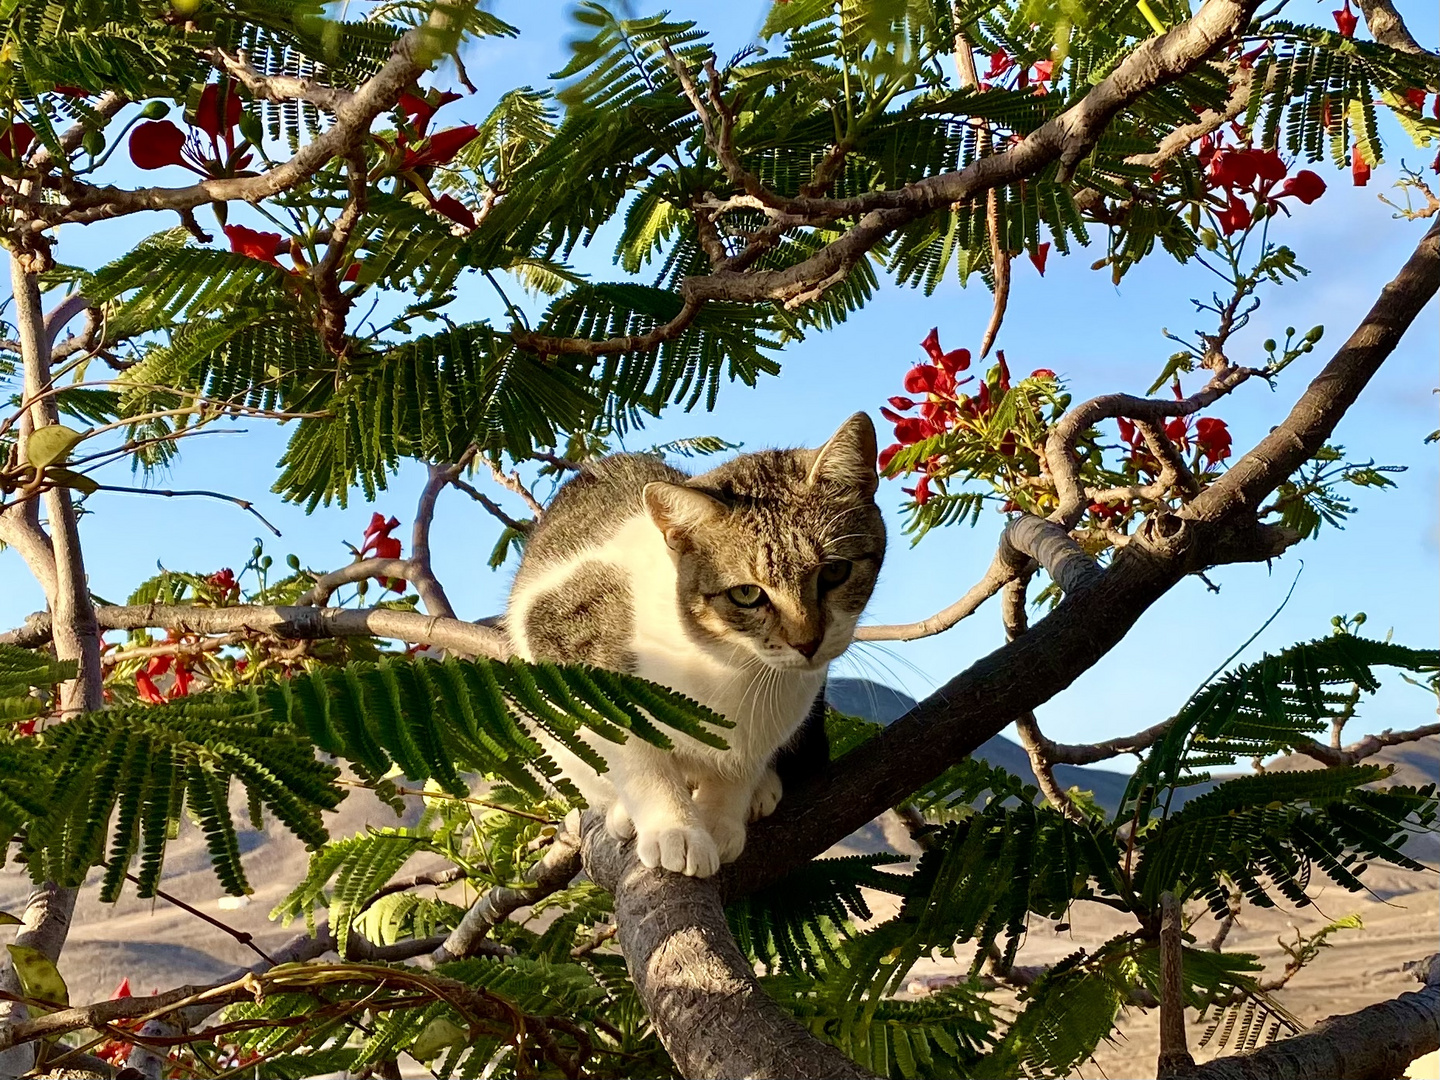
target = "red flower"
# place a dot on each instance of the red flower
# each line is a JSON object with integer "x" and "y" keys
{"x": 1042, "y": 373}
{"x": 441, "y": 147}
{"x": 155, "y": 144}
{"x": 1039, "y": 255}
{"x": 455, "y": 210}
{"x": 1327, "y": 118}
{"x": 1268, "y": 165}
{"x": 952, "y": 361}
{"x": 921, "y": 491}
{"x": 1178, "y": 431}
{"x": 378, "y": 529}
{"x": 352, "y": 272}
{"x": 254, "y": 244}
{"x": 1359, "y": 167}
{"x": 888, "y": 454}
{"x": 1130, "y": 434}
{"x": 921, "y": 378}
{"x": 208, "y": 116}
{"x": 1105, "y": 511}
{"x": 149, "y": 692}
{"x": 1213, "y": 438}
{"x": 1000, "y": 62}
{"x": 1345, "y": 20}
{"x": 1044, "y": 70}
{"x": 419, "y": 109}
{"x": 71, "y": 91}
{"x": 1416, "y": 98}
{"x": 16, "y": 140}
{"x": 181, "y": 686}
{"x": 1305, "y": 185}
{"x": 1235, "y": 216}
{"x": 1231, "y": 169}
{"x": 902, "y": 403}
{"x": 1003, "y": 381}
{"x": 912, "y": 429}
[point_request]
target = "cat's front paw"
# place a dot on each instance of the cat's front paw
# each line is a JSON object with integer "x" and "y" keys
{"x": 767, "y": 796}
{"x": 683, "y": 849}
{"x": 729, "y": 837}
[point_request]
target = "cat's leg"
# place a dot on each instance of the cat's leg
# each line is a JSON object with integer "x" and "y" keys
{"x": 725, "y": 803}
{"x": 656, "y": 801}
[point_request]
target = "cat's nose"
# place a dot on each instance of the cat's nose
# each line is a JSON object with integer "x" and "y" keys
{"x": 807, "y": 649}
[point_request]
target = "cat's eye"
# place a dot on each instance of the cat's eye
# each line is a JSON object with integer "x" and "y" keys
{"x": 746, "y": 595}
{"x": 835, "y": 572}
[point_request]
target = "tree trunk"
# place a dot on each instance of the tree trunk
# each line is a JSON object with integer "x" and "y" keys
{"x": 699, "y": 989}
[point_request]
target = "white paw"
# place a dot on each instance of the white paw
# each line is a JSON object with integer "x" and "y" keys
{"x": 729, "y": 837}
{"x": 766, "y": 797}
{"x": 618, "y": 823}
{"x": 684, "y": 849}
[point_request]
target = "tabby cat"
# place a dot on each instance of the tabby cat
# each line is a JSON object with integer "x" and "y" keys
{"x": 736, "y": 588}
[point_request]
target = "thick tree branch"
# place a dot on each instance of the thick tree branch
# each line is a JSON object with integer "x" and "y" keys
{"x": 1066, "y": 138}
{"x": 699, "y": 990}
{"x": 1175, "y": 1056}
{"x": 1388, "y": 28}
{"x": 1375, "y": 1043}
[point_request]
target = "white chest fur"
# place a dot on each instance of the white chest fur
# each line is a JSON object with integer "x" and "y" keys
{"x": 765, "y": 704}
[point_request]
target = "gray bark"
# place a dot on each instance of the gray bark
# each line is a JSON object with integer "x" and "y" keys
{"x": 1376, "y": 1043}
{"x": 699, "y": 989}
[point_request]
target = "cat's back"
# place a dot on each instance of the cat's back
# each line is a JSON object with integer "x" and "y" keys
{"x": 573, "y": 598}
{"x": 591, "y": 507}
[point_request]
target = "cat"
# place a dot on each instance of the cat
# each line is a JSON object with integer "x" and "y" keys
{"x": 737, "y": 588}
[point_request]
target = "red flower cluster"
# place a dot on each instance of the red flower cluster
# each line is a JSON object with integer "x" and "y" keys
{"x": 437, "y": 149}
{"x": 254, "y": 244}
{"x": 1244, "y": 172}
{"x": 178, "y": 666}
{"x": 157, "y": 143}
{"x": 1040, "y": 73}
{"x": 942, "y": 407}
{"x": 378, "y": 542}
{"x": 224, "y": 583}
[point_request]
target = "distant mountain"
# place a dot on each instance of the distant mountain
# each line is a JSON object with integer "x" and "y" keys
{"x": 882, "y": 704}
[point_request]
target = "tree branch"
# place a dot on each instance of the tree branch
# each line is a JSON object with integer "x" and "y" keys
{"x": 1389, "y": 29}
{"x": 699, "y": 990}
{"x": 1378, "y": 1041}
{"x": 294, "y": 623}
{"x": 410, "y": 58}
{"x": 551, "y": 873}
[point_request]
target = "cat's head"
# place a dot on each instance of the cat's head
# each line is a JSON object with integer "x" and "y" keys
{"x": 778, "y": 551}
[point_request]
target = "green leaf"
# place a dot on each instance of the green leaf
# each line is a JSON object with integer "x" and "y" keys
{"x": 86, "y": 485}
{"x": 40, "y": 980}
{"x": 50, "y": 444}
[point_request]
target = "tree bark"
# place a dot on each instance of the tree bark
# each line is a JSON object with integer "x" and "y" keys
{"x": 698, "y": 988}
{"x": 45, "y": 923}
{"x": 1376, "y": 1043}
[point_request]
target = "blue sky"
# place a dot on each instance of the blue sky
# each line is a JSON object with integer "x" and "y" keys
{"x": 1098, "y": 336}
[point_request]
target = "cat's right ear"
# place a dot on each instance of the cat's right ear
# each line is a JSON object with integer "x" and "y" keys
{"x": 678, "y": 510}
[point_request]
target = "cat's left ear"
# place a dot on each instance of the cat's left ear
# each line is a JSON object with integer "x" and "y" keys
{"x": 678, "y": 510}
{"x": 849, "y": 456}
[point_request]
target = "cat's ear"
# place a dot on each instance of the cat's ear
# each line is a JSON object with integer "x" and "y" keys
{"x": 677, "y": 509}
{"x": 849, "y": 456}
